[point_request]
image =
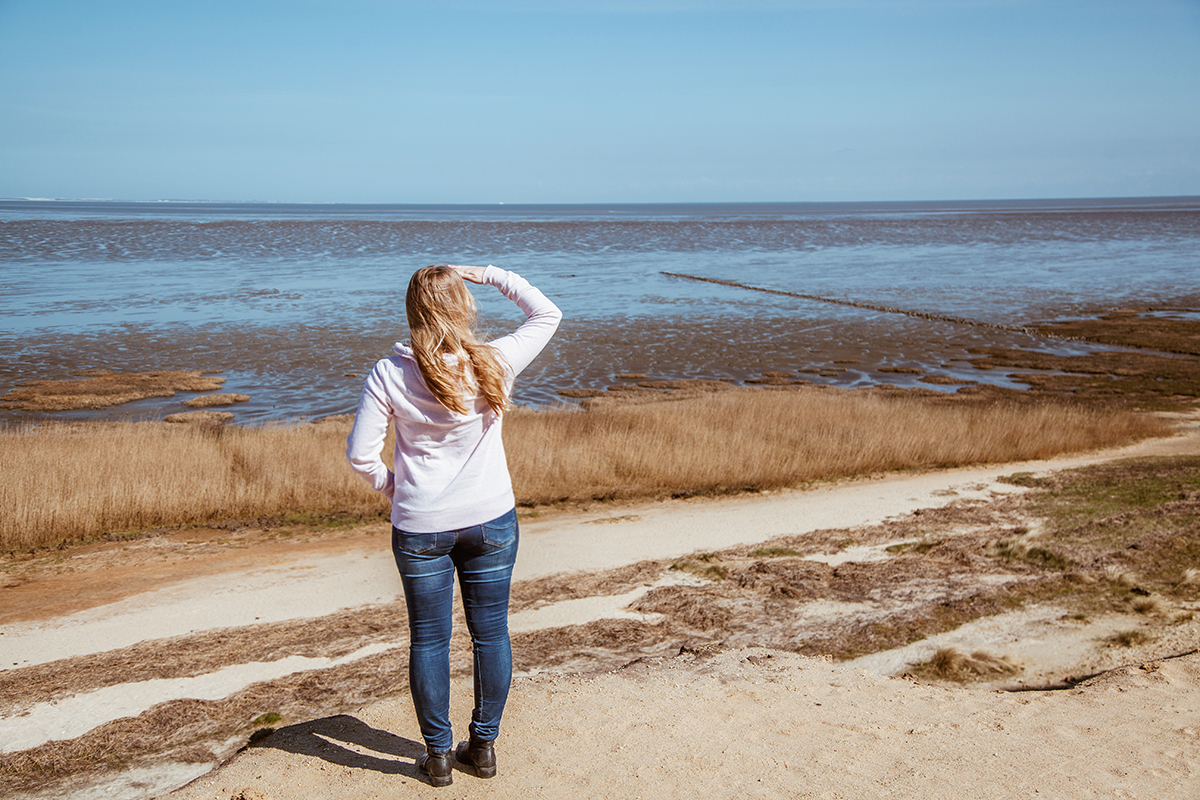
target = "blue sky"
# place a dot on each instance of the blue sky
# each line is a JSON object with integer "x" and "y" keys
{"x": 524, "y": 102}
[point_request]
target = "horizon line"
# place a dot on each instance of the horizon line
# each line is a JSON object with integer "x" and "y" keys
{"x": 181, "y": 201}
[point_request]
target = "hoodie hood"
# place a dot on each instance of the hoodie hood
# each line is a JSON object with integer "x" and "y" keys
{"x": 404, "y": 350}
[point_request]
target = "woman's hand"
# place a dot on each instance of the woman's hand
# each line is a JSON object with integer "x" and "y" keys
{"x": 472, "y": 274}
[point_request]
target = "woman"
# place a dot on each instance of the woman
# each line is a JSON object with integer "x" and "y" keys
{"x": 452, "y": 498}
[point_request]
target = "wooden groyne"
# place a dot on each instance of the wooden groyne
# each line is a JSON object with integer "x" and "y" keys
{"x": 873, "y": 307}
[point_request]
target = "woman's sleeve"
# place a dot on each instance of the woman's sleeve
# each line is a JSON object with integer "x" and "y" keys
{"x": 520, "y": 347}
{"x": 365, "y": 442}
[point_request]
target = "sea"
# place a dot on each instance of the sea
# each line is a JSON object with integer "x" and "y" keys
{"x": 293, "y": 303}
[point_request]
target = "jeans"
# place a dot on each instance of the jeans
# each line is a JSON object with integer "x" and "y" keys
{"x": 483, "y": 555}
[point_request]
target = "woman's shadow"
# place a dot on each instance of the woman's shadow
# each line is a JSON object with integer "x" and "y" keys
{"x": 347, "y": 741}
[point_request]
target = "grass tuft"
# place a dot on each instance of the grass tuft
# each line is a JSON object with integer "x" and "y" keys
{"x": 708, "y": 571}
{"x": 1128, "y": 638}
{"x": 1146, "y": 605}
{"x": 949, "y": 664}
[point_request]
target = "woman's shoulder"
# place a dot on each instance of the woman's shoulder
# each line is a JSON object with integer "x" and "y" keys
{"x": 402, "y": 355}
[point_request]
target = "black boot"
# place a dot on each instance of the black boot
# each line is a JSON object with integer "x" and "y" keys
{"x": 479, "y": 754}
{"x": 437, "y": 766}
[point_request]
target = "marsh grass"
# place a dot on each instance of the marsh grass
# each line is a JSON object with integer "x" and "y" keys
{"x": 754, "y": 440}
{"x": 60, "y": 483}
{"x": 68, "y": 482}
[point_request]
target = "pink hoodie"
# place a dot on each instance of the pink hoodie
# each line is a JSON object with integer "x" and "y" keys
{"x": 449, "y": 470}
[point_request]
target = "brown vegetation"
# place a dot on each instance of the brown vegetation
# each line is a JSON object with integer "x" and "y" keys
{"x": 1127, "y": 377}
{"x": 200, "y": 417}
{"x": 106, "y": 389}
{"x": 1135, "y": 329}
{"x": 765, "y": 439}
{"x": 1122, "y": 377}
{"x": 203, "y": 730}
{"x": 211, "y": 400}
{"x": 948, "y": 664}
{"x": 68, "y": 482}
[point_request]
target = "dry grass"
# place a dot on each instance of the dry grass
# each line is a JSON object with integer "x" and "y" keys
{"x": 949, "y": 664}
{"x": 1146, "y": 605}
{"x": 1128, "y": 638}
{"x": 209, "y": 418}
{"x": 68, "y": 482}
{"x": 765, "y": 439}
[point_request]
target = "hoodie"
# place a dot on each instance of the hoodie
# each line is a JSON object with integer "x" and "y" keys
{"x": 448, "y": 470}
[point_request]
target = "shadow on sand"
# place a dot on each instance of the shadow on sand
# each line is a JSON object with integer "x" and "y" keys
{"x": 346, "y": 741}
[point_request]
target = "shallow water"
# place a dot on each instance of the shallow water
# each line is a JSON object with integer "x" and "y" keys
{"x": 295, "y": 302}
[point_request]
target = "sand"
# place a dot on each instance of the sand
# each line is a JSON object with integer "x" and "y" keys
{"x": 758, "y": 723}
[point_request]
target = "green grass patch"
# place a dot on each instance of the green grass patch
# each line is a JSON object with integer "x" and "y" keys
{"x": 774, "y": 552}
{"x": 1140, "y": 516}
{"x": 1026, "y": 479}
{"x": 1100, "y": 492}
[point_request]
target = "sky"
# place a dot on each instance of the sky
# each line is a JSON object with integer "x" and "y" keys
{"x": 598, "y": 101}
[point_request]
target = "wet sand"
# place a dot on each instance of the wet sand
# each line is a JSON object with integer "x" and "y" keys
{"x": 292, "y": 373}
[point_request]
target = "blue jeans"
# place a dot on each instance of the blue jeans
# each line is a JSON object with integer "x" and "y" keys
{"x": 483, "y": 555}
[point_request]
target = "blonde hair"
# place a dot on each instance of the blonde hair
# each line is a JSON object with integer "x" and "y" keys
{"x": 441, "y": 313}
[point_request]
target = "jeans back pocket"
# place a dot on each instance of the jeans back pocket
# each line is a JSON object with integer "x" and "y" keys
{"x": 413, "y": 543}
{"x": 501, "y": 531}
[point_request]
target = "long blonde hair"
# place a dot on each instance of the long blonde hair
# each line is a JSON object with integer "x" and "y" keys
{"x": 441, "y": 313}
